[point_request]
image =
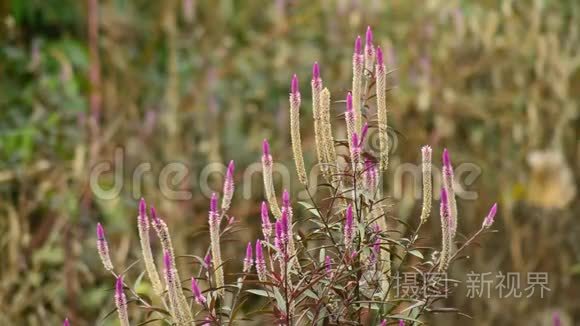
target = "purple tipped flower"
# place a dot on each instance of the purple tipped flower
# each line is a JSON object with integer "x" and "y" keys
{"x": 265, "y": 148}
{"x": 153, "y": 213}
{"x": 199, "y": 298}
{"x": 348, "y": 227}
{"x": 446, "y": 159}
{"x": 248, "y": 261}
{"x": 167, "y": 262}
{"x": 142, "y": 208}
{"x": 315, "y": 71}
{"x": 100, "y": 232}
{"x": 121, "y": 301}
{"x": 66, "y": 322}
{"x": 213, "y": 203}
{"x": 348, "y": 102}
{"x": 380, "y": 58}
{"x": 207, "y": 260}
{"x": 358, "y": 46}
{"x": 488, "y": 221}
{"x": 401, "y": 322}
{"x": 294, "y": 85}
{"x": 103, "y": 248}
{"x": 286, "y": 199}
{"x": 384, "y": 322}
{"x": 230, "y": 170}
{"x": 369, "y": 36}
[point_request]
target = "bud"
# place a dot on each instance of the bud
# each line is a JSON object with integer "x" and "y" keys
{"x": 103, "y": 248}
{"x": 488, "y": 221}
{"x": 248, "y": 259}
{"x": 294, "y": 85}
{"x": 358, "y": 46}
{"x": 315, "y": 72}
{"x": 199, "y": 298}
{"x": 228, "y": 187}
{"x": 121, "y": 302}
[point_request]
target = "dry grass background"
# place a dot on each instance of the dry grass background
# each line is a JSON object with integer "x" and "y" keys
{"x": 497, "y": 82}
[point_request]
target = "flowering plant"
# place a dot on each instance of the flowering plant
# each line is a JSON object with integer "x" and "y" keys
{"x": 338, "y": 262}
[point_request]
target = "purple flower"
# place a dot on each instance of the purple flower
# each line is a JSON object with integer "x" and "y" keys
{"x": 199, "y": 298}
{"x": 207, "y": 260}
{"x": 266, "y": 225}
{"x": 315, "y": 72}
{"x": 66, "y": 322}
{"x": 294, "y": 85}
{"x": 348, "y": 227}
{"x": 384, "y": 322}
{"x": 265, "y": 148}
{"x": 279, "y": 239}
{"x": 380, "y": 59}
{"x": 142, "y": 208}
{"x": 401, "y": 322}
{"x": 103, "y": 248}
{"x": 369, "y": 36}
{"x": 213, "y": 203}
{"x": 286, "y": 199}
{"x": 349, "y": 102}
{"x": 488, "y": 221}
{"x": 358, "y": 46}
{"x": 121, "y": 301}
{"x": 154, "y": 216}
{"x": 248, "y": 261}
{"x": 446, "y": 159}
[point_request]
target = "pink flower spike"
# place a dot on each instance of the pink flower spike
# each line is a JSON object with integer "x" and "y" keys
{"x": 153, "y": 213}
{"x": 294, "y": 85}
{"x": 100, "y": 232}
{"x": 265, "y": 148}
{"x": 401, "y": 322}
{"x": 119, "y": 286}
{"x": 167, "y": 261}
{"x": 286, "y": 198}
{"x": 488, "y": 221}
{"x": 348, "y": 102}
{"x": 230, "y": 171}
{"x": 446, "y": 159}
{"x": 369, "y": 36}
{"x": 355, "y": 143}
{"x": 199, "y": 298}
{"x": 248, "y": 261}
{"x": 358, "y": 46}
{"x": 142, "y": 208}
{"x": 380, "y": 59}
{"x": 66, "y": 322}
{"x": 384, "y": 322}
{"x": 260, "y": 261}
{"x": 556, "y": 319}
{"x": 207, "y": 260}
{"x": 315, "y": 71}
{"x": 213, "y": 203}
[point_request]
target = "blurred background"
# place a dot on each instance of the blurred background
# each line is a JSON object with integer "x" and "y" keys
{"x": 198, "y": 82}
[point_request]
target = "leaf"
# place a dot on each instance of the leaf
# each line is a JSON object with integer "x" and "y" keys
{"x": 416, "y": 253}
{"x": 261, "y": 293}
